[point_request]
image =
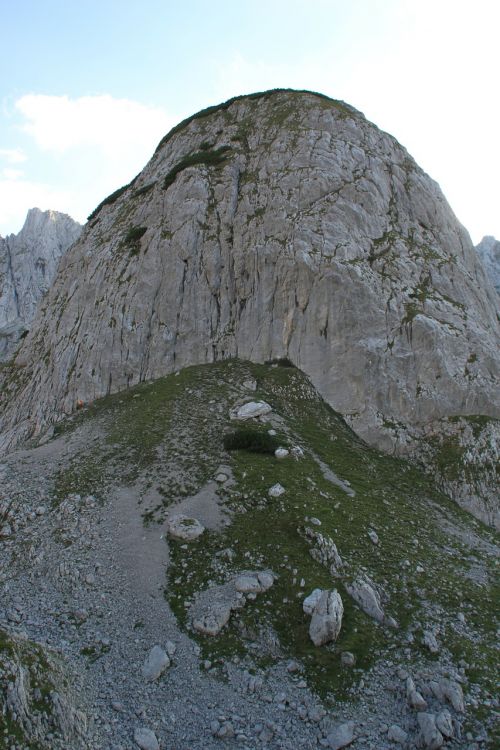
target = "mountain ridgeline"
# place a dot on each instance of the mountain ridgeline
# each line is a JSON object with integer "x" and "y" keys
{"x": 281, "y": 225}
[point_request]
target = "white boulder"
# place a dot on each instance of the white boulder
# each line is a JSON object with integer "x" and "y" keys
{"x": 184, "y": 528}
{"x": 252, "y": 410}
{"x": 326, "y": 619}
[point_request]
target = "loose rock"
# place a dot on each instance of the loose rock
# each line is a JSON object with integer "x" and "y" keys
{"x": 156, "y": 663}
{"x": 146, "y": 739}
{"x": 184, "y": 528}
{"x": 326, "y": 618}
{"x": 341, "y": 736}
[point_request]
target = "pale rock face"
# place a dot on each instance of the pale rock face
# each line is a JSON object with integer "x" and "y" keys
{"x": 313, "y": 236}
{"x": 489, "y": 252}
{"x": 28, "y": 262}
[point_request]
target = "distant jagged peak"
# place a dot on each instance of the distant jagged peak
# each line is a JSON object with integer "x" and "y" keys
{"x": 489, "y": 252}
{"x": 28, "y": 263}
{"x": 38, "y": 220}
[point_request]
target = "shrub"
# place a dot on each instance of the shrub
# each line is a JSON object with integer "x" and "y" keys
{"x": 250, "y": 439}
{"x": 281, "y": 362}
{"x": 132, "y": 239}
{"x": 110, "y": 199}
{"x": 134, "y": 234}
{"x": 211, "y": 158}
{"x": 143, "y": 190}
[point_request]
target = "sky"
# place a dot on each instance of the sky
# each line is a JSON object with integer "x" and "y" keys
{"x": 88, "y": 88}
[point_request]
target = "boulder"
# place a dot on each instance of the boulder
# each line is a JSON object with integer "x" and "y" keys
{"x": 184, "y": 528}
{"x": 146, "y": 739}
{"x": 252, "y": 410}
{"x": 326, "y": 619}
{"x": 341, "y": 736}
{"x": 156, "y": 663}
{"x": 368, "y": 599}
{"x": 396, "y": 734}
{"x": 431, "y": 737}
{"x": 213, "y": 620}
{"x": 444, "y": 723}
{"x": 310, "y": 601}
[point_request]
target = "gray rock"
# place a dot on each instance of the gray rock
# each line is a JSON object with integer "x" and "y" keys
{"x": 432, "y": 739}
{"x": 429, "y": 640}
{"x": 252, "y": 410}
{"x": 184, "y": 528}
{"x": 310, "y": 601}
{"x": 396, "y": 734}
{"x": 281, "y": 452}
{"x": 266, "y": 579}
{"x": 446, "y": 689}
{"x": 146, "y": 739}
{"x": 248, "y": 583}
{"x": 170, "y": 648}
{"x": 367, "y": 598}
{"x": 444, "y": 723}
{"x": 326, "y": 619}
{"x": 156, "y": 663}
{"x": 250, "y": 385}
{"x": 276, "y": 490}
{"x": 373, "y": 536}
{"x": 347, "y": 659}
{"x": 212, "y": 621}
{"x": 415, "y": 699}
{"x": 324, "y": 550}
{"x": 341, "y": 736}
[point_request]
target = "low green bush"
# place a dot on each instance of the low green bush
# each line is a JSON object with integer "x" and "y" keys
{"x": 211, "y": 158}
{"x": 250, "y": 439}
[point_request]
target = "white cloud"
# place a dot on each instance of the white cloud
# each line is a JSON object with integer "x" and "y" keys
{"x": 84, "y": 148}
{"x": 12, "y": 174}
{"x": 13, "y": 155}
{"x": 17, "y": 196}
{"x": 60, "y": 124}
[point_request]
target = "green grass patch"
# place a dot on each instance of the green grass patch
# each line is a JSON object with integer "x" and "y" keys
{"x": 213, "y": 158}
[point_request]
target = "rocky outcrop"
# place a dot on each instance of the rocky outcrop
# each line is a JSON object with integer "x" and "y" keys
{"x": 28, "y": 262}
{"x": 489, "y": 252}
{"x": 280, "y": 225}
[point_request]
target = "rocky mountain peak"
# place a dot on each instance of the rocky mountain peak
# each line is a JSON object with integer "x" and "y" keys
{"x": 277, "y": 225}
{"x": 489, "y": 252}
{"x": 28, "y": 262}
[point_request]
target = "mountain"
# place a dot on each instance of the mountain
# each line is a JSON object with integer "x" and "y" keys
{"x": 489, "y": 252}
{"x": 281, "y": 225}
{"x": 115, "y": 632}
{"x": 28, "y": 262}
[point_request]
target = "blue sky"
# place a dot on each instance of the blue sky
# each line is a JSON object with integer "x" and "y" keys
{"x": 88, "y": 88}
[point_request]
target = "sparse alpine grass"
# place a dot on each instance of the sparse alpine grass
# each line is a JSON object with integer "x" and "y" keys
{"x": 161, "y": 435}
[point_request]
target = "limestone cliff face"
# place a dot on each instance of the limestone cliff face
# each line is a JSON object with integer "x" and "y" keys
{"x": 489, "y": 252}
{"x": 277, "y": 225}
{"x": 28, "y": 262}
